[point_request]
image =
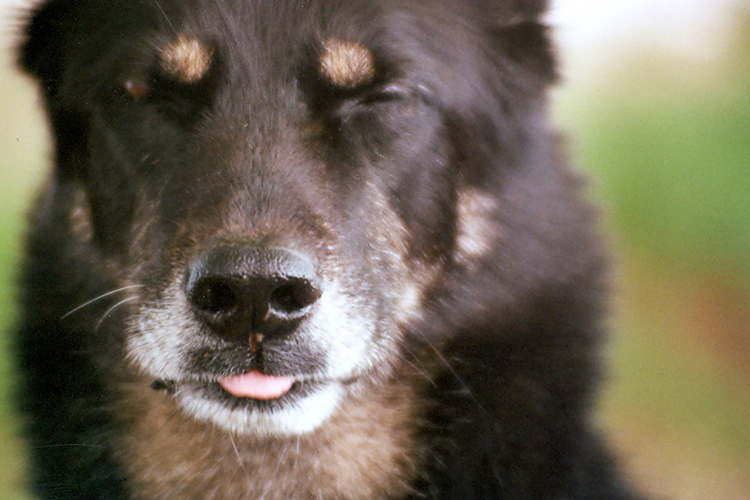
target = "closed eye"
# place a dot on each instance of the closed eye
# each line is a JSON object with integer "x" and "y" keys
{"x": 396, "y": 91}
{"x": 174, "y": 98}
{"x": 388, "y": 93}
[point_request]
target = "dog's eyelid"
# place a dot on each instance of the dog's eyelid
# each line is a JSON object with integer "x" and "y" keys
{"x": 396, "y": 89}
{"x": 399, "y": 91}
{"x": 387, "y": 94}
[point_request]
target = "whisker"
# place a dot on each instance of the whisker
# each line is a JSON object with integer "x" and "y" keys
{"x": 239, "y": 457}
{"x": 96, "y": 299}
{"x": 421, "y": 370}
{"x": 158, "y": 5}
{"x": 453, "y": 372}
{"x": 109, "y": 311}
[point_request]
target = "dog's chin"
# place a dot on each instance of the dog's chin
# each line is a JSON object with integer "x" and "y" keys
{"x": 300, "y": 411}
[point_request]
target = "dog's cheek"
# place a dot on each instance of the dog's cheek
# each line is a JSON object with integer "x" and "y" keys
{"x": 343, "y": 329}
{"x": 423, "y": 194}
{"x": 162, "y": 329}
{"x": 352, "y": 324}
{"x": 159, "y": 335}
{"x": 399, "y": 276}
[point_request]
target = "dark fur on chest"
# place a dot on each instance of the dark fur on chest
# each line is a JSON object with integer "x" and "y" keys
{"x": 308, "y": 250}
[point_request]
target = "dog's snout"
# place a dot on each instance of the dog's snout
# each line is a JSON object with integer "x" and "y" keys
{"x": 243, "y": 290}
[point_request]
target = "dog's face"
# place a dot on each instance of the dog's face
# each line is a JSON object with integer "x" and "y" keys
{"x": 279, "y": 189}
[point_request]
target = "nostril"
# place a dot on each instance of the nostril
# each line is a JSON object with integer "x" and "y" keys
{"x": 293, "y": 299}
{"x": 214, "y": 296}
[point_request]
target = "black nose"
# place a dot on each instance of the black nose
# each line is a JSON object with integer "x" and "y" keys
{"x": 244, "y": 290}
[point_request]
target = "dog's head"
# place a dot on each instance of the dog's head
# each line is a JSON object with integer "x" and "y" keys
{"x": 279, "y": 191}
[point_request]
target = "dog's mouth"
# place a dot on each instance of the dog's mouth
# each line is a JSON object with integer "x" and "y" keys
{"x": 257, "y": 404}
{"x": 252, "y": 389}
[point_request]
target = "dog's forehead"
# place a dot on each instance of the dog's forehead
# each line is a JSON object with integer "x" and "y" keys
{"x": 337, "y": 40}
{"x": 344, "y": 63}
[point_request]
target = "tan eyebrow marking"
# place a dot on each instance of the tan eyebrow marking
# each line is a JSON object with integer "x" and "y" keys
{"x": 347, "y": 64}
{"x": 187, "y": 59}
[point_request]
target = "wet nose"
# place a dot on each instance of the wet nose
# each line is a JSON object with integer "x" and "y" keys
{"x": 242, "y": 290}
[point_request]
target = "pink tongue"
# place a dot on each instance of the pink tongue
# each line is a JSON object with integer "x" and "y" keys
{"x": 255, "y": 385}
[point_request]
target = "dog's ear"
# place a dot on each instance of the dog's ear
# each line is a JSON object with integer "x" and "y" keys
{"x": 44, "y": 53}
{"x": 42, "y": 49}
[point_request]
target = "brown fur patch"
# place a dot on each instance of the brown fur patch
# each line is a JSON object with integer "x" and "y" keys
{"x": 347, "y": 64}
{"x": 187, "y": 59}
{"x": 369, "y": 449}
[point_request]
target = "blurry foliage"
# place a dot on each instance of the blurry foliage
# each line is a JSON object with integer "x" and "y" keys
{"x": 670, "y": 141}
{"x": 23, "y": 154}
{"x": 667, "y": 140}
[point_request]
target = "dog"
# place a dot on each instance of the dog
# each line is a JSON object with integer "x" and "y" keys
{"x": 310, "y": 249}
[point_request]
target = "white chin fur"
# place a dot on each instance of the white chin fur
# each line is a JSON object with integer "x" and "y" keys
{"x": 295, "y": 418}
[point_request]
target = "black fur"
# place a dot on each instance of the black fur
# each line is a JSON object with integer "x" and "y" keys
{"x": 263, "y": 147}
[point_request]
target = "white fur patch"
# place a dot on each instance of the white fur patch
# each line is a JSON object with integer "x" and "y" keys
{"x": 160, "y": 334}
{"x": 475, "y": 224}
{"x": 339, "y": 325}
{"x": 409, "y": 307}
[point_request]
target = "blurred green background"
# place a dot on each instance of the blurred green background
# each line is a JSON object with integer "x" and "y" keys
{"x": 664, "y": 132}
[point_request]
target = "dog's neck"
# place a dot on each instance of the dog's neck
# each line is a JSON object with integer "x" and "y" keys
{"x": 370, "y": 448}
